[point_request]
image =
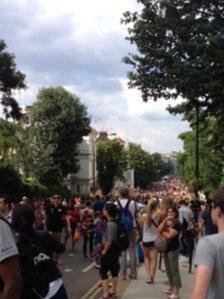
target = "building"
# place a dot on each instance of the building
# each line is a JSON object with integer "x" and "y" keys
{"x": 86, "y": 177}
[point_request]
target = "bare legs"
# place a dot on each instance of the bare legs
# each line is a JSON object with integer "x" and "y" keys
{"x": 150, "y": 262}
{"x": 105, "y": 285}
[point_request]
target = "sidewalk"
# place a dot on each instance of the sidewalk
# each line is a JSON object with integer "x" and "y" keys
{"x": 138, "y": 289}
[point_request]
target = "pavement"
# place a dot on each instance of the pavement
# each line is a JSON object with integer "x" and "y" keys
{"x": 138, "y": 289}
{"x": 79, "y": 274}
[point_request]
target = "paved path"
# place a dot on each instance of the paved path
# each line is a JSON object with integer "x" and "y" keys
{"x": 79, "y": 275}
{"x": 138, "y": 289}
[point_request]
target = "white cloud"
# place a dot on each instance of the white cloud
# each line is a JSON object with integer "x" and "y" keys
{"x": 80, "y": 44}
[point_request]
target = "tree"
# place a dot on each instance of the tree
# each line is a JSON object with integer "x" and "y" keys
{"x": 141, "y": 162}
{"x": 211, "y": 161}
{"x": 111, "y": 164}
{"x": 180, "y": 46}
{"x": 58, "y": 123}
{"x": 147, "y": 167}
{"x": 10, "y": 80}
{"x": 7, "y": 141}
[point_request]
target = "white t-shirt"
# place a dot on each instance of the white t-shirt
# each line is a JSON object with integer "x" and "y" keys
{"x": 7, "y": 242}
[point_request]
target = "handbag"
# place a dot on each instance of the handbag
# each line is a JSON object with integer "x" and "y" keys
{"x": 161, "y": 244}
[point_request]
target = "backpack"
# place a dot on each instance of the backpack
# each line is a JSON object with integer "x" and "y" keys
{"x": 125, "y": 216}
{"x": 37, "y": 268}
{"x": 123, "y": 242}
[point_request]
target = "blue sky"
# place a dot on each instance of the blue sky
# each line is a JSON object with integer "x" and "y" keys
{"x": 80, "y": 45}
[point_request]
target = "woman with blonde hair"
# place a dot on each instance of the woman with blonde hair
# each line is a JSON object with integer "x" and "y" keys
{"x": 149, "y": 222}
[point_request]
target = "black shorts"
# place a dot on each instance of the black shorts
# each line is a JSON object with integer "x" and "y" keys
{"x": 110, "y": 264}
{"x": 148, "y": 244}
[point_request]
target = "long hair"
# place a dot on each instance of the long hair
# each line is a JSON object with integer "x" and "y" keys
{"x": 151, "y": 208}
{"x": 23, "y": 218}
{"x": 166, "y": 203}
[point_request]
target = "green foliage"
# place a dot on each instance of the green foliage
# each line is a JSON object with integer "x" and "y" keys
{"x": 111, "y": 163}
{"x": 211, "y": 157}
{"x": 142, "y": 164}
{"x": 33, "y": 188}
{"x": 147, "y": 167}
{"x": 180, "y": 45}
{"x": 49, "y": 146}
{"x": 7, "y": 141}
{"x": 25, "y": 151}
{"x": 10, "y": 80}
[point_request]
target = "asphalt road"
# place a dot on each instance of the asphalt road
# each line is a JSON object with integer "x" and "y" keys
{"x": 79, "y": 274}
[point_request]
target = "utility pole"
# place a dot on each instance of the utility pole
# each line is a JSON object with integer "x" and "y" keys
{"x": 197, "y": 148}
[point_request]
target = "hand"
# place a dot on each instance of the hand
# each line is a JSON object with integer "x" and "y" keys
{"x": 168, "y": 218}
{"x": 103, "y": 252}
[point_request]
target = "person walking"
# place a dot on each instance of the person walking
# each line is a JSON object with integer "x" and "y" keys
{"x": 170, "y": 229}
{"x": 87, "y": 220}
{"x": 149, "y": 223}
{"x": 54, "y": 221}
{"x": 127, "y": 210}
{"x": 110, "y": 254}
{"x": 208, "y": 282}
{"x": 187, "y": 224}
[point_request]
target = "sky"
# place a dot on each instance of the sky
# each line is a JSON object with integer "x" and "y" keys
{"x": 80, "y": 45}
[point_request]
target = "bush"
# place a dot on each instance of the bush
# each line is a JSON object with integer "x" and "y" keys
{"x": 33, "y": 188}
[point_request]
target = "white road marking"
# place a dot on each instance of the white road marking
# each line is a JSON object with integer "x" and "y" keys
{"x": 68, "y": 270}
{"x": 88, "y": 268}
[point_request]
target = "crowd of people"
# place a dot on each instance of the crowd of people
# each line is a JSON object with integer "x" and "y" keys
{"x": 165, "y": 221}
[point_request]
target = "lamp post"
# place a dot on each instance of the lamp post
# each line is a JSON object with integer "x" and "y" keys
{"x": 197, "y": 149}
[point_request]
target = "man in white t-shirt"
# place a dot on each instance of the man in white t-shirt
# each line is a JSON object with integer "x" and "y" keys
{"x": 10, "y": 275}
{"x": 124, "y": 192}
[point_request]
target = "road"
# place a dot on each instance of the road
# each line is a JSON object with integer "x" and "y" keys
{"x": 79, "y": 274}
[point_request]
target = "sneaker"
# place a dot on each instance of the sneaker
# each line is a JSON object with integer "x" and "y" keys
{"x": 168, "y": 292}
{"x": 149, "y": 281}
{"x": 174, "y": 296}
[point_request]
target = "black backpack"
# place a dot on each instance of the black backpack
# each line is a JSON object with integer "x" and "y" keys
{"x": 37, "y": 267}
{"x": 122, "y": 239}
